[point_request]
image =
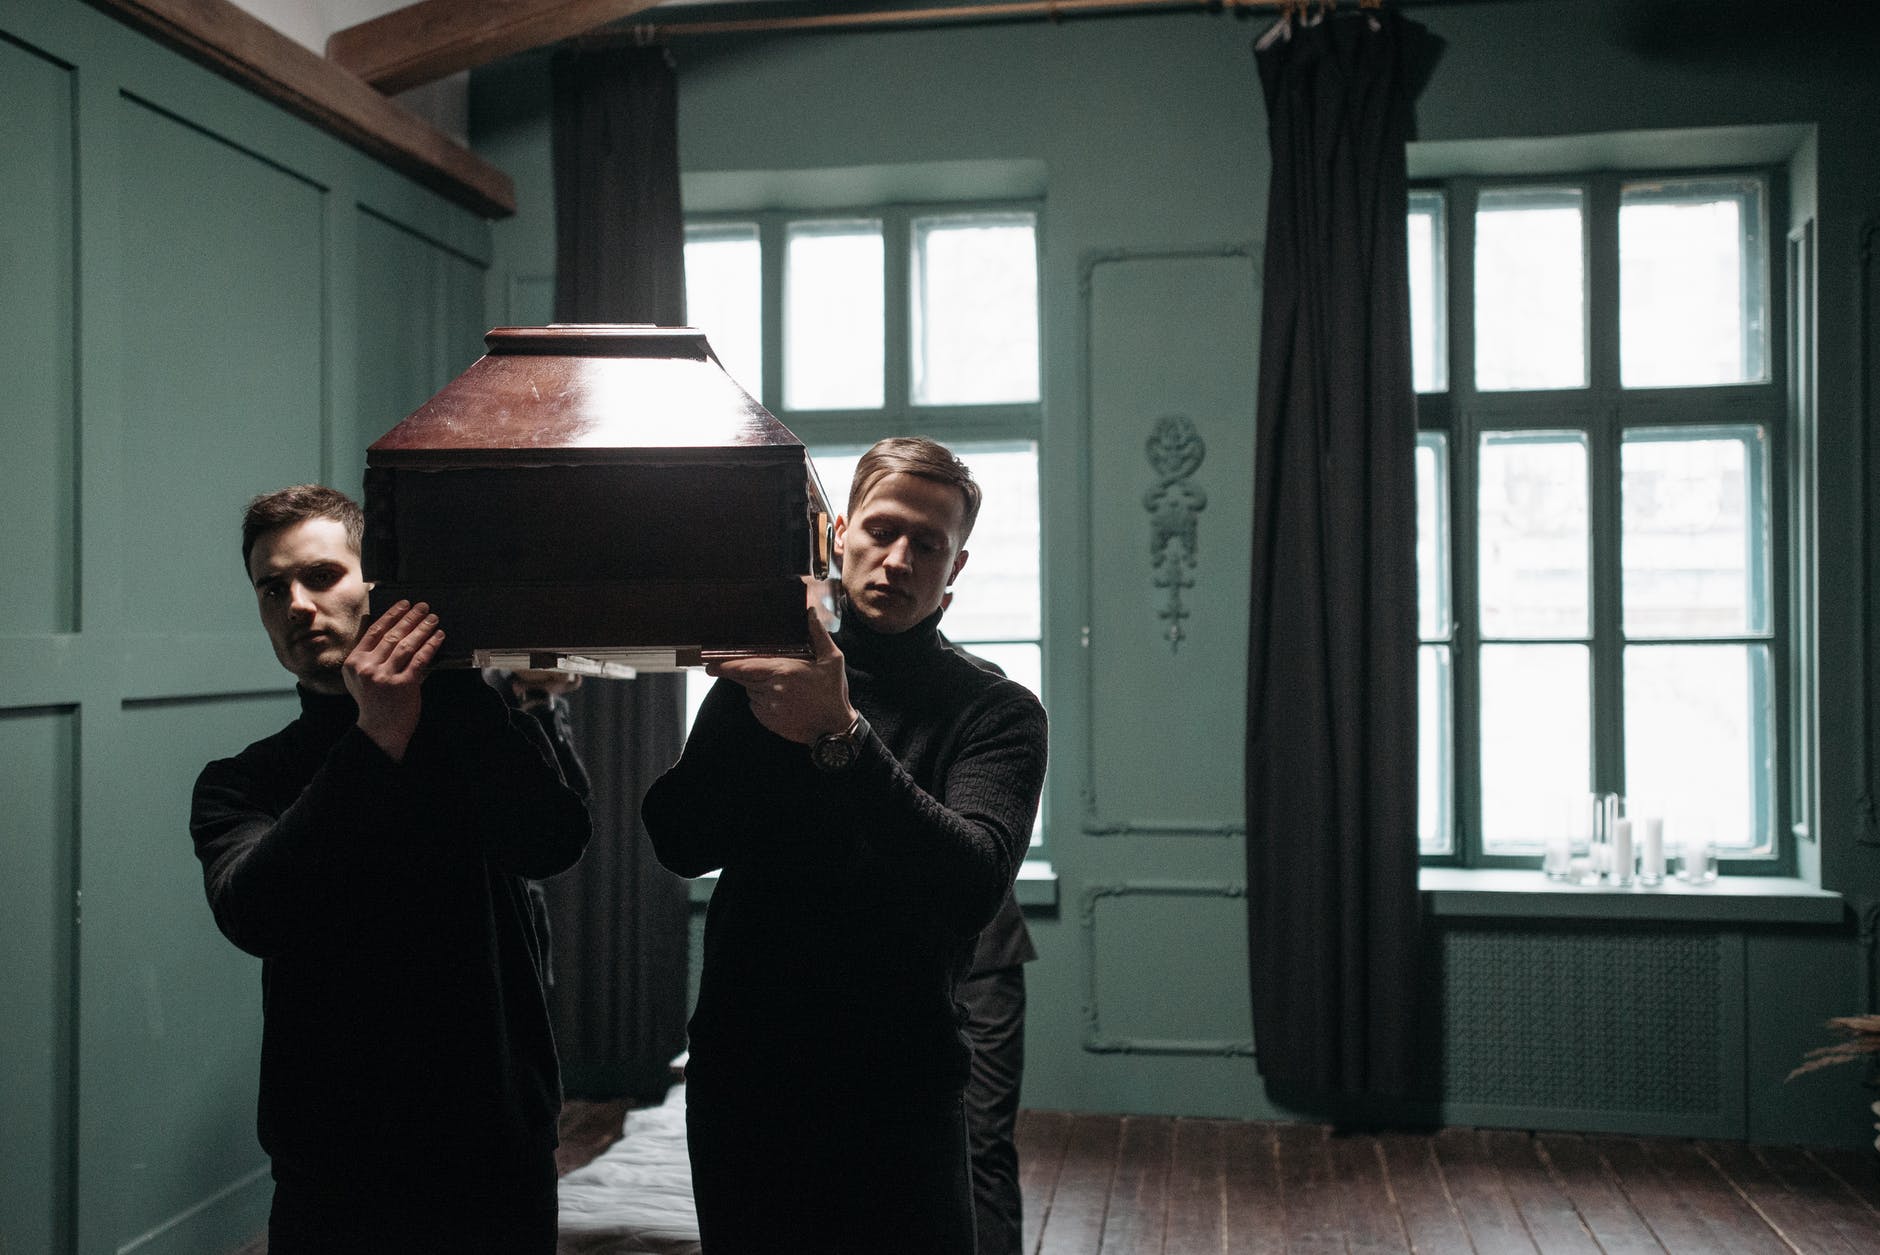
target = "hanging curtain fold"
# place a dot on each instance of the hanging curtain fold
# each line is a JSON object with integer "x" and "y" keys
{"x": 620, "y": 921}
{"x": 1334, "y": 913}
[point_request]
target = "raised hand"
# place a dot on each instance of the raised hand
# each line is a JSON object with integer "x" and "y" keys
{"x": 385, "y": 670}
{"x": 797, "y": 700}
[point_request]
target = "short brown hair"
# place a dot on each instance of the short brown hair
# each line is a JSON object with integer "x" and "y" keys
{"x": 285, "y": 507}
{"x": 916, "y": 455}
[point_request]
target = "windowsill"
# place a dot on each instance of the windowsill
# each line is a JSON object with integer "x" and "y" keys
{"x": 1037, "y": 885}
{"x": 1463, "y": 893}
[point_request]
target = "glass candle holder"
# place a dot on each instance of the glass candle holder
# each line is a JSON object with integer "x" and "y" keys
{"x": 1584, "y": 825}
{"x": 1698, "y": 861}
{"x": 1604, "y": 812}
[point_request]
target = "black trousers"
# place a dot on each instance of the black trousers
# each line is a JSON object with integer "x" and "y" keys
{"x": 995, "y": 1005}
{"x": 839, "y": 1175}
{"x": 439, "y": 1216}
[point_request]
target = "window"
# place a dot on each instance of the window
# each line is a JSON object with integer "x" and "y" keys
{"x": 1599, "y": 478}
{"x": 897, "y": 320}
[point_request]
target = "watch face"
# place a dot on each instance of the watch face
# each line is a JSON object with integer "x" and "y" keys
{"x": 832, "y": 753}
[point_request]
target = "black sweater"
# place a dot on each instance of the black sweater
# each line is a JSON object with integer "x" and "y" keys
{"x": 387, "y": 903}
{"x": 847, "y": 905}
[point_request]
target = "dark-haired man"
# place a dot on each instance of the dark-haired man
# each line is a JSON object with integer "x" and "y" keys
{"x": 869, "y": 809}
{"x": 374, "y": 854}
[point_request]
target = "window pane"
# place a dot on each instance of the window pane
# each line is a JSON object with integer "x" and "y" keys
{"x": 1024, "y": 663}
{"x": 1695, "y": 536}
{"x": 1533, "y": 534}
{"x": 997, "y": 597}
{"x": 1530, "y": 290}
{"x": 1536, "y": 739}
{"x": 1429, "y": 316}
{"x": 1432, "y": 464}
{"x": 1435, "y": 793}
{"x": 697, "y": 684}
{"x": 832, "y": 321}
{"x": 1691, "y": 280}
{"x": 1697, "y": 741}
{"x": 975, "y": 309}
{"x": 724, "y": 298}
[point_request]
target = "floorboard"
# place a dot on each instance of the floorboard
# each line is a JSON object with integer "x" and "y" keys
{"x": 1196, "y": 1190}
{"x": 1481, "y": 1197}
{"x": 1421, "y": 1194}
{"x": 1553, "y": 1223}
{"x": 1253, "y": 1214}
{"x": 1597, "y": 1199}
{"x": 1137, "y": 1215}
{"x": 1788, "y": 1214}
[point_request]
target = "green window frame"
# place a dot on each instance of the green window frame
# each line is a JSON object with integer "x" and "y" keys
{"x": 1461, "y": 424}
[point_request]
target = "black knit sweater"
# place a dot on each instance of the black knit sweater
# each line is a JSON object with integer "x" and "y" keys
{"x": 847, "y": 904}
{"x": 387, "y": 903}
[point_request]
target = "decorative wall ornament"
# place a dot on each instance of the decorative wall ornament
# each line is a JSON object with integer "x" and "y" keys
{"x": 1175, "y": 451}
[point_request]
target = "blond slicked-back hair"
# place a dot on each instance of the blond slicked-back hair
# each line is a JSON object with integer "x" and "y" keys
{"x": 916, "y": 455}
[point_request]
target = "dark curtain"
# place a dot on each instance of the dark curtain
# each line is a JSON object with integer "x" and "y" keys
{"x": 620, "y": 921}
{"x": 1332, "y": 678}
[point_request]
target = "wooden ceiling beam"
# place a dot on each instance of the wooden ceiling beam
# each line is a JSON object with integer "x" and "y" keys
{"x": 243, "y": 48}
{"x": 424, "y": 42}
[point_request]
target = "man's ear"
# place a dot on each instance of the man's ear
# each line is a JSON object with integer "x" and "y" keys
{"x": 842, "y": 527}
{"x": 957, "y": 564}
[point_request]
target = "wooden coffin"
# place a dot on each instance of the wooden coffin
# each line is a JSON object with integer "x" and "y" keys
{"x": 597, "y": 497}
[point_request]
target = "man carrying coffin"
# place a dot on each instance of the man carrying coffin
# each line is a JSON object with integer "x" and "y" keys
{"x": 374, "y": 854}
{"x": 868, "y": 809}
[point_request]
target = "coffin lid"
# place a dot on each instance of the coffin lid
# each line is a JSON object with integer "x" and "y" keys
{"x": 574, "y": 393}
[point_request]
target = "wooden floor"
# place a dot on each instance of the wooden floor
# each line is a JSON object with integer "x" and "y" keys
{"x": 1150, "y": 1185}
{"x": 1107, "y": 1185}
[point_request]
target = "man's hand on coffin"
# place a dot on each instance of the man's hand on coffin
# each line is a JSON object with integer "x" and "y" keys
{"x": 797, "y": 700}
{"x": 385, "y": 670}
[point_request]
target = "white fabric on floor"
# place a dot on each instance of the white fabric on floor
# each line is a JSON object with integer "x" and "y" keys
{"x": 636, "y": 1197}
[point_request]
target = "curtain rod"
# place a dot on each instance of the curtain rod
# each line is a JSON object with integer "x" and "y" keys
{"x": 1052, "y": 9}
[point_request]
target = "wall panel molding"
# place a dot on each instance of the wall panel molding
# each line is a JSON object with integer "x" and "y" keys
{"x": 1218, "y": 284}
{"x": 1100, "y": 1040}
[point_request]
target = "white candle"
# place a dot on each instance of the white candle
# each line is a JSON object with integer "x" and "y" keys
{"x": 1621, "y": 852}
{"x": 1651, "y": 852}
{"x": 1580, "y": 869}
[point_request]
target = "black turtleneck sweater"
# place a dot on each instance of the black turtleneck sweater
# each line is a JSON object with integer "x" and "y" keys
{"x": 848, "y": 903}
{"x": 387, "y": 902}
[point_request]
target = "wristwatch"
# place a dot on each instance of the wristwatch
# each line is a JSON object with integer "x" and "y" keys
{"x": 837, "y": 751}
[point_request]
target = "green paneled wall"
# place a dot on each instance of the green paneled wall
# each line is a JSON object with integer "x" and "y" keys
{"x": 221, "y": 273}
{"x": 1151, "y": 132}
{"x": 39, "y": 748}
{"x": 204, "y": 299}
{"x": 37, "y": 582}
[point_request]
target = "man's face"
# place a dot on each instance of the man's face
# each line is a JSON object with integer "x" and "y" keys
{"x": 313, "y": 599}
{"x": 901, "y": 550}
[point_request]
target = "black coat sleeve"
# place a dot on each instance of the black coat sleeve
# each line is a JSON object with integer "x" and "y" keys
{"x": 488, "y": 764}
{"x": 273, "y": 873}
{"x": 719, "y": 801}
{"x": 956, "y": 860}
